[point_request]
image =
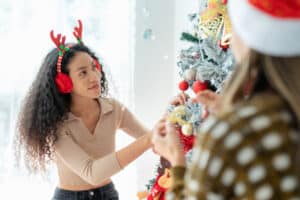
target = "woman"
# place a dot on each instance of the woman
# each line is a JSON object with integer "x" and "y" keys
{"x": 249, "y": 149}
{"x": 68, "y": 118}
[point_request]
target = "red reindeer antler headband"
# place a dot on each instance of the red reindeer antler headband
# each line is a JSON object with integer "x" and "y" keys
{"x": 62, "y": 80}
{"x": 60, "y": 45}
{"x": 78, "y": 32}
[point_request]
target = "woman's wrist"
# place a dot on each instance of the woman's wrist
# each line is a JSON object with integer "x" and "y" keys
{"x": 148, "y": 139}
{"x": 178, "y": 159}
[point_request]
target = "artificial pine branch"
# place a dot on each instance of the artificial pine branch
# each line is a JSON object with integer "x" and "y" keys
{"x": 189, "y": 37}
{"x": 150, "y": 184}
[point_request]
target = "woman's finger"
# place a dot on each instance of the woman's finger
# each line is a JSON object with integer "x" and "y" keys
{"x": 205, "y": 112}
{"x": 206, "y": 97}
{"x": 180, "y": 99}
{"x": 170, "y": 127}
{"x": 158, "y": 143}
{"x": 185, "y": 96}
{"x": 160, "y": 127}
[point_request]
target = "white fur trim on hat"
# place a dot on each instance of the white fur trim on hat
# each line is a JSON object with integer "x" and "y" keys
{"x": 265, "y": 33}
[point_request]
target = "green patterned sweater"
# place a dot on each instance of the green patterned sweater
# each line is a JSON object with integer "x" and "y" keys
{"x": 247, "y": 153}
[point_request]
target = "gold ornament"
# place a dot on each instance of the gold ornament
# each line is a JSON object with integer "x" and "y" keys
{"x": 176, "y": 115}
{"x": 187, "y": 129}
{"x": 165, "y": 181}
{"x": 215, "y": 19}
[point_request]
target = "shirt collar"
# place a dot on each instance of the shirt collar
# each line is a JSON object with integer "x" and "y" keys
{"x": 106, "y": 107}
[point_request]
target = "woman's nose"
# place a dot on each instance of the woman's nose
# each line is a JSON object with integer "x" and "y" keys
{"x": 94, "y": 76}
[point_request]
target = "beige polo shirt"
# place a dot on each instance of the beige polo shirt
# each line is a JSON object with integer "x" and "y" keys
{"x": 88, "y": 159}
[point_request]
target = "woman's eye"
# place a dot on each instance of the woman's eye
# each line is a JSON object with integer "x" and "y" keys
{"x": 82, "y": 73}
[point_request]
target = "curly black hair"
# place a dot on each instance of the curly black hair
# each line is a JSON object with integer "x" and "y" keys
{"x": 44, "y": 109}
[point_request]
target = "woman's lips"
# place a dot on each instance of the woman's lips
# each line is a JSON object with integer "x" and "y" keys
{"x": 95, "y": 87}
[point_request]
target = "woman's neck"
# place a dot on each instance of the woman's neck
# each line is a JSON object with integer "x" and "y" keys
{"x": 83, "y": 106}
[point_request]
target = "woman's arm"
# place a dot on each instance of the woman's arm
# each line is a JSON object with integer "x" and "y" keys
{"x": 134, "y": 150}
{"x": 95, "y": 171}
{"x": 129, "y": 123}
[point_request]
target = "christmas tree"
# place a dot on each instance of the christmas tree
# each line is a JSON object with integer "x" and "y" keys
{"x": 205, "y": 64}
{"x": 209, "y": 58}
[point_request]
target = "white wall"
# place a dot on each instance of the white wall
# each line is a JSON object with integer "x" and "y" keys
{"x": 156, "y": 74}
{"x": 153, "y": 74}
{"x": 182, "y": 9}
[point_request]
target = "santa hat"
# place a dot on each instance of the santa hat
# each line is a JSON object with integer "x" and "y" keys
{"x": 268, "y": 26}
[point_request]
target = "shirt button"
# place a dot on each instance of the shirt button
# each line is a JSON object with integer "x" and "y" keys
{"x": 91, "y": 193}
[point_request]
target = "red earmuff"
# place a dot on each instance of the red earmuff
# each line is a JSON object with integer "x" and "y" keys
{"x": 98, "y": 65}
{"x": 63, "y": 83}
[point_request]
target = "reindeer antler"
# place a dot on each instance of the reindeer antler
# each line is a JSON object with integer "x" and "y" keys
{"x": 58, "y": 40}
{"x": 78, "y": 31}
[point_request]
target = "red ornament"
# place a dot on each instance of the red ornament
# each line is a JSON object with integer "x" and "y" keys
{"x": 223, "y": 46}
{"x": 64, "y": 83}
{"x": 224, "y": 1}
{"x": 187, "y": 141}
{"x": 183, "y": 85}
{"x": 199, "y": 86}
{"x": 157, "y": 191}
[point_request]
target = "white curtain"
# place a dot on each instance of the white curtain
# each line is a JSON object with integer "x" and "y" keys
{"x": 24, "y": 38}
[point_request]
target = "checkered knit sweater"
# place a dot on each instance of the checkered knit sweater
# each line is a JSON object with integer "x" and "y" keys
{"x": 247, "y": 153}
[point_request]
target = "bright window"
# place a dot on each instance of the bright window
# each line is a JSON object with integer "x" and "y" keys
{"x": 24, "y": 35}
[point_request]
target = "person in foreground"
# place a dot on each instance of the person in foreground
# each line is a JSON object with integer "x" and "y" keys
{"x": 249, "y": 148}
{"x": 68, "y": 118}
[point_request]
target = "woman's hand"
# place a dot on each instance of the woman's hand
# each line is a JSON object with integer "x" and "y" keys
{"x": 180, "y": 99}
{"x": 166, "y": 142}
{"x": 209, "y": 99}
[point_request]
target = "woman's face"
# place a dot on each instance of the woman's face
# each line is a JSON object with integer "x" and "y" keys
{"x": 85, "y": 76}
{"x": 239, "y": 48}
